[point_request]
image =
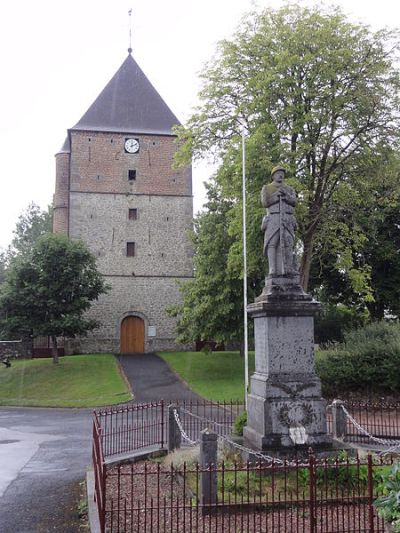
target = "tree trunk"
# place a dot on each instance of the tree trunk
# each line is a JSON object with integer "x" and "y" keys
{"x": 376, "y": 309}
{"x": 241, "y": 349}
{"x": 54, "y": 349}
{"x": 305, "y": 266}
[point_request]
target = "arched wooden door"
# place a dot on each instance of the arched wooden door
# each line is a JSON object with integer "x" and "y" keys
{"x": 132, "y": 335}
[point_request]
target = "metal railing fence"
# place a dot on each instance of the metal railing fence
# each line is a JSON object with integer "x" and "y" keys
{"x": 315, "y": 497}
{"x": 379, "y": 418}
{"x": 173, "y": 493}
{"x": 131, "y": 427}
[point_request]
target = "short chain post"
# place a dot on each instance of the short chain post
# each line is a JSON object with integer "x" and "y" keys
{"x": 339, "y": 419}
{"x": 208, "y": 464}
{"x": 174, "y": 433}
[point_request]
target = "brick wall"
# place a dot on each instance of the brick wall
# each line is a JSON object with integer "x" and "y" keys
{"x": 61, "y": 196}
{"x": 99, "y": 163}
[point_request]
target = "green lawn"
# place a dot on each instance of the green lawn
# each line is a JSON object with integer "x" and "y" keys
{"x": 214, "y": 375}
{"x": 78, "y": 381}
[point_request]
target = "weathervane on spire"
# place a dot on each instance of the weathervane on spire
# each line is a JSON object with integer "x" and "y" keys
{"x": 130, "y": 31}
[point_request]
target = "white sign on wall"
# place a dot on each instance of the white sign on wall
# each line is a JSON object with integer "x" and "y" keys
{"x": 151, "y": 332}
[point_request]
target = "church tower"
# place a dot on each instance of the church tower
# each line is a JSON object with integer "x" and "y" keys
{"x": 116, "y": 191}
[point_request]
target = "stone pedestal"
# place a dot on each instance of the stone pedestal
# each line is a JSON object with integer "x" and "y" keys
{"x": 285, "y": 407}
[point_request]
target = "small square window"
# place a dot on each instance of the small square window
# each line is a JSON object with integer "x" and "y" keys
{"x": 131, "y": 175}
{"x": 130, "y": 249}
{"x": 132, "y": 215}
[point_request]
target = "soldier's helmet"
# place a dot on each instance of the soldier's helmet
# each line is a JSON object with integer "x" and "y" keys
{"x": 275, "y": 169}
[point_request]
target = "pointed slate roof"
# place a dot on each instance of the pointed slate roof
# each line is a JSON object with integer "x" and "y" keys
{"x": 129, "y": 104}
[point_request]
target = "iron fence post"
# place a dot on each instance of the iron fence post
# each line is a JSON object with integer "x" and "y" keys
{"x": 162, "y": 423}
{"x": 370, "y": 494}
{"x": 103, "y": 506}
{"x": 311, "y": 467}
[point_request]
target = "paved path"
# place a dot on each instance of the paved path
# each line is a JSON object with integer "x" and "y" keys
{"x": 44, "y": 454}
{"x": 151, "y": 379}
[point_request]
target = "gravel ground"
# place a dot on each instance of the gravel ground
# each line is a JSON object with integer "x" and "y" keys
{"x": 162, "y": 503}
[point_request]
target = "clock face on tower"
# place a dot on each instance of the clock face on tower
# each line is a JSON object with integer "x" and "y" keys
{"x": 131, "y": 146}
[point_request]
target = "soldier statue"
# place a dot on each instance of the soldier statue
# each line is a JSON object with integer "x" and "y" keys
{"x": 279, "y": 225}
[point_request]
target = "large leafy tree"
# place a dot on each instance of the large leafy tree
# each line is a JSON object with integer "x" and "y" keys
{"x": 48, "y": 292}
{"x": 315, "y": 92}
{"x": 3, "y": 266}
{"x": 367, "y": 223}
{"x": 212, "y": 305}
{"x": 31, "y": 225}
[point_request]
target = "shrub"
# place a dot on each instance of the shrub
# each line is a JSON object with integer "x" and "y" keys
{"x": 240, "y": 422}
{"x": 337, "y": 471}
{"x": 388, "y": 505}
{"x": 335, "y": 367}
{"x": 188, "y": 456}
{"x": 368, "y": 360}
{"x": 332, "y": 323}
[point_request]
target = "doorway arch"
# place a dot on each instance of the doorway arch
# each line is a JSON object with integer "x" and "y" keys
{"x": 132, "y": 334}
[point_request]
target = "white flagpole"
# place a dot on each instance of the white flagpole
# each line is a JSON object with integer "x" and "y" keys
{"x": 246, "y": 341}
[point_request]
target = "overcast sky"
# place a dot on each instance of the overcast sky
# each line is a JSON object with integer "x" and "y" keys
{"x": 57, "y": 56}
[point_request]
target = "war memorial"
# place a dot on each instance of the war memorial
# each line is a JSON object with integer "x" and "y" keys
{"x": 285, "y": 407}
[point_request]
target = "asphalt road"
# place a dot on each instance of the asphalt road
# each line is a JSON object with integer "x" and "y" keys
{"x": 44, "y": 454}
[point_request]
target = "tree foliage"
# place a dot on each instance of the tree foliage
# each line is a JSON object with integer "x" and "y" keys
{"x": 367, "y": 361}
{"x": 315, "y": 92}
{"x": 3, "y": 266}
{"x": 366, "y": 222}
{"x": 48, "y": 292}
{"x": 32, "y": 223}
{"x": 213, "y": 301}
{"x": 320, "y": 94}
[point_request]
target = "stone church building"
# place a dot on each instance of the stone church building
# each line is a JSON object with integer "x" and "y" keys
{"x": 116, "y": 190}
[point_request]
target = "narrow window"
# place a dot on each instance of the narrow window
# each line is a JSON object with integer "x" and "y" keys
{"x": 130, "y": 249}
{"x": 131, "y": 175}
{"x": 132, "y": 214}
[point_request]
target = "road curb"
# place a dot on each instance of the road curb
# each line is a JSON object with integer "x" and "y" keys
{"x": 94, "y": 523}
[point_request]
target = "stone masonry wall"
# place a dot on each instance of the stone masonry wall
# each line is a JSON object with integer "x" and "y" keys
{"x": 100, "y": 195}
{"x": 160, "y": 232}
{"x": 146, "y": 297}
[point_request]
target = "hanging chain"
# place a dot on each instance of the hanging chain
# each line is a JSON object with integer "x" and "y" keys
{"x": 394, "y": 444}
{"x": 183, "y": 432}
{"x": 225, "y": 438}
{"x": 204, "y": 419}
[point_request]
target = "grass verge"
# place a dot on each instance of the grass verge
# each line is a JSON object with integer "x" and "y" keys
{"x": 213, "y": 375}
{"x": 77, "y": 381}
